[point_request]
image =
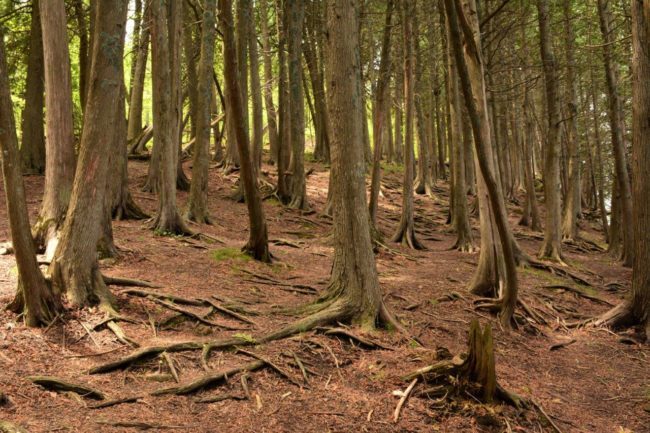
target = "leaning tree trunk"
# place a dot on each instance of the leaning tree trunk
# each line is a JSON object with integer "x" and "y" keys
{"x": 472, "y": 78}
{"x": 74, "y": 269}
{"x": 257, "y": 245}
{"x": 33, "y": 297}
{"x": 60, "y": 152}
{"x": 165, "y": 43}
{"x": 296, "y": 13}
{"x": 616, "y": 127}
{"x": 406, "y": 229}
{"x": 32, "y": 150}
{"x": 198, "y": 207}
{"x": 636, "y": 309}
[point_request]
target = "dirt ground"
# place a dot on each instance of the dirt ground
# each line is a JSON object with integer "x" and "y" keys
{"x": 598, "y": 383}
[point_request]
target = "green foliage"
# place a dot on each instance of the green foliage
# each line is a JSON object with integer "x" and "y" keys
{"x": 245, "y": 337}
{"x": 392, "y": 167}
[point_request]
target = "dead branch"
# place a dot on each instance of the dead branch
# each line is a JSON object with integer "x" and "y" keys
{"x": 58, "y": 385}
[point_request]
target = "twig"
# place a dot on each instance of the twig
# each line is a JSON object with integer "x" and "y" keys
{"x": 545, "y": 415}
{"x": 402, "y": 400}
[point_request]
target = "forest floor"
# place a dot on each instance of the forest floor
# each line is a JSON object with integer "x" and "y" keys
{"x": 593, "y": 381}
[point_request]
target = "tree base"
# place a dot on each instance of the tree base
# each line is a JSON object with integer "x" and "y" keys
{"x": 127, "y": 209}
{"x": 406, "y": 236}
{"x": 170, "y": 225}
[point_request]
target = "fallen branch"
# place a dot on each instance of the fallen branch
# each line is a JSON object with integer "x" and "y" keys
{"x": 405, "y": 396}
{"x": 220, "y": 397}
{"x": 371, "y": 344}
{"x": 273, "y": 366}
{"x": 128, "y": 282}
{"x": 117, "y": 401}
{"x": 193, "y": 315}
{"x": 140, "y": 425}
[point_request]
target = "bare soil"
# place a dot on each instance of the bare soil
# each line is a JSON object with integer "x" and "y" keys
{"x": 598, "y": 383}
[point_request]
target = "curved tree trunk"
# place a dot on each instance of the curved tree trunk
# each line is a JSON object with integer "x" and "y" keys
{"x": 197, "y": 206}
{"x": 33, "y": 296}
{"x": 74, "y": 269}
{"x": 60, "y": 153}
{"x": 473, "y": 85}
{"x": 257, "y": 245}
{"x": 32, "y": 148}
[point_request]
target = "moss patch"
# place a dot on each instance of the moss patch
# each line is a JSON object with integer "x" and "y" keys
{"x": 229, "y": 253}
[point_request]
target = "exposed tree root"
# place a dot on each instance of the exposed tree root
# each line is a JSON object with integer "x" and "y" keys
{"x": 170, "y": 225}
{"x": 210, "y": 379}
{"x": 56, "y": 384}
{"x": 272, "y": 365}
{"x": 192, "y": 315}
{"x": 406, "y": 236}
{"x": 579, "y": 292}
{"x": 365, "y": 342}
{"x": 220, "y": 397}
{"x": 559, "y": 271}
{"x": 473, "y": 373}
{"x": 140, "y": 425}
{"x": 128, "y": 282}
{"x": 115, "y": 402}
{"x": 127, "y": 209}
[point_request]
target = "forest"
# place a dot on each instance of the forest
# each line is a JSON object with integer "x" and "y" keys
{"x": 325, "y": 216}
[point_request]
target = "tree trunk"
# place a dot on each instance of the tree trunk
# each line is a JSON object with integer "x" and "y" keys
{"x": 257, "y": 142}
{"x": 616, "y": 127}
{"x": 383, "y": 113}
{"x": 74, "y": 269}
{"x": 406, "y": 229}
{"x": 572, "y": 200}
{"x": 460, "y": 219}
{"x": 165, "y": 52}
{"x": 598, "y": 158}
{"x": 636, "y": 309}
{"x": 552, "y": 246}
{"x": 137, "y": 83}
{"x": 197, "y": 206}
{"x": 32, "y": 150}
{"x": 423, "y": 183}
{"x": 284, "y": 121}
{"x": 257, "y": 245}
{"x": 84, "y": 55}
{"x": 296, "y": 13}
{"x": 60, "y": 153}
{"x": 470, "y": 69}
{"x": 33, "y": 296}
{"x": 271, "y": 114}
{"x": 190, "y": 54}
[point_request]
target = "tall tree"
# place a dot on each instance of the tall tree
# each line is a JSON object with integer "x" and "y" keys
{"x": 257, "y": 142}
{"x": 271, "y": 114}
{"x": 552, "y": 246}
{"x": 60, "y": 153}
{"x": 138, "y": 77}
{"x": 257, "y": 246}
{"x": 636, "y": 309}
{"x": 295, "y": 18}
{"x": 32, "y": 149}
{"x": 33, "y": 297}
{"x": 572, "y": 202}
{"x": 197, "y": 205}
{"x": 74, "y": 269}
{"x": 382, "y": 117}
{"x": 166, "y": 32}
{"x": 406, "y": 229}
{"x": 472, "y": 78}
{"x": 616, "y": 126}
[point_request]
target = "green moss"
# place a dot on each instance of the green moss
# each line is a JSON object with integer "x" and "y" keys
{"x": 245, "y": 337}
{"x": 229, "y": 253}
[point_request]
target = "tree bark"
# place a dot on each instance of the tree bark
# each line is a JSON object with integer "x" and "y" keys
{"x": 470, "y": 68}
{"x": 34, "y": 297}
{"x": 296, "y": 13}
{"x": 137, "y": 79}
{"x": 165, "y": 49}
{"x": 636, "y": 309}
{"x": 257, "y": 142}
{"x": 552, "y": 246}
{"x": 406, "y": 230}
{"x": 380, "y": 131}
{"x": 257, "y": 245}
{"x": 74, "y": 269}
{"x": 271, "y": 114}
{"x": 197, "y": 206}
{"x": 32, "y": 148}
{"x": 60, "y": 156}
{"x": 616, "y": 127}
